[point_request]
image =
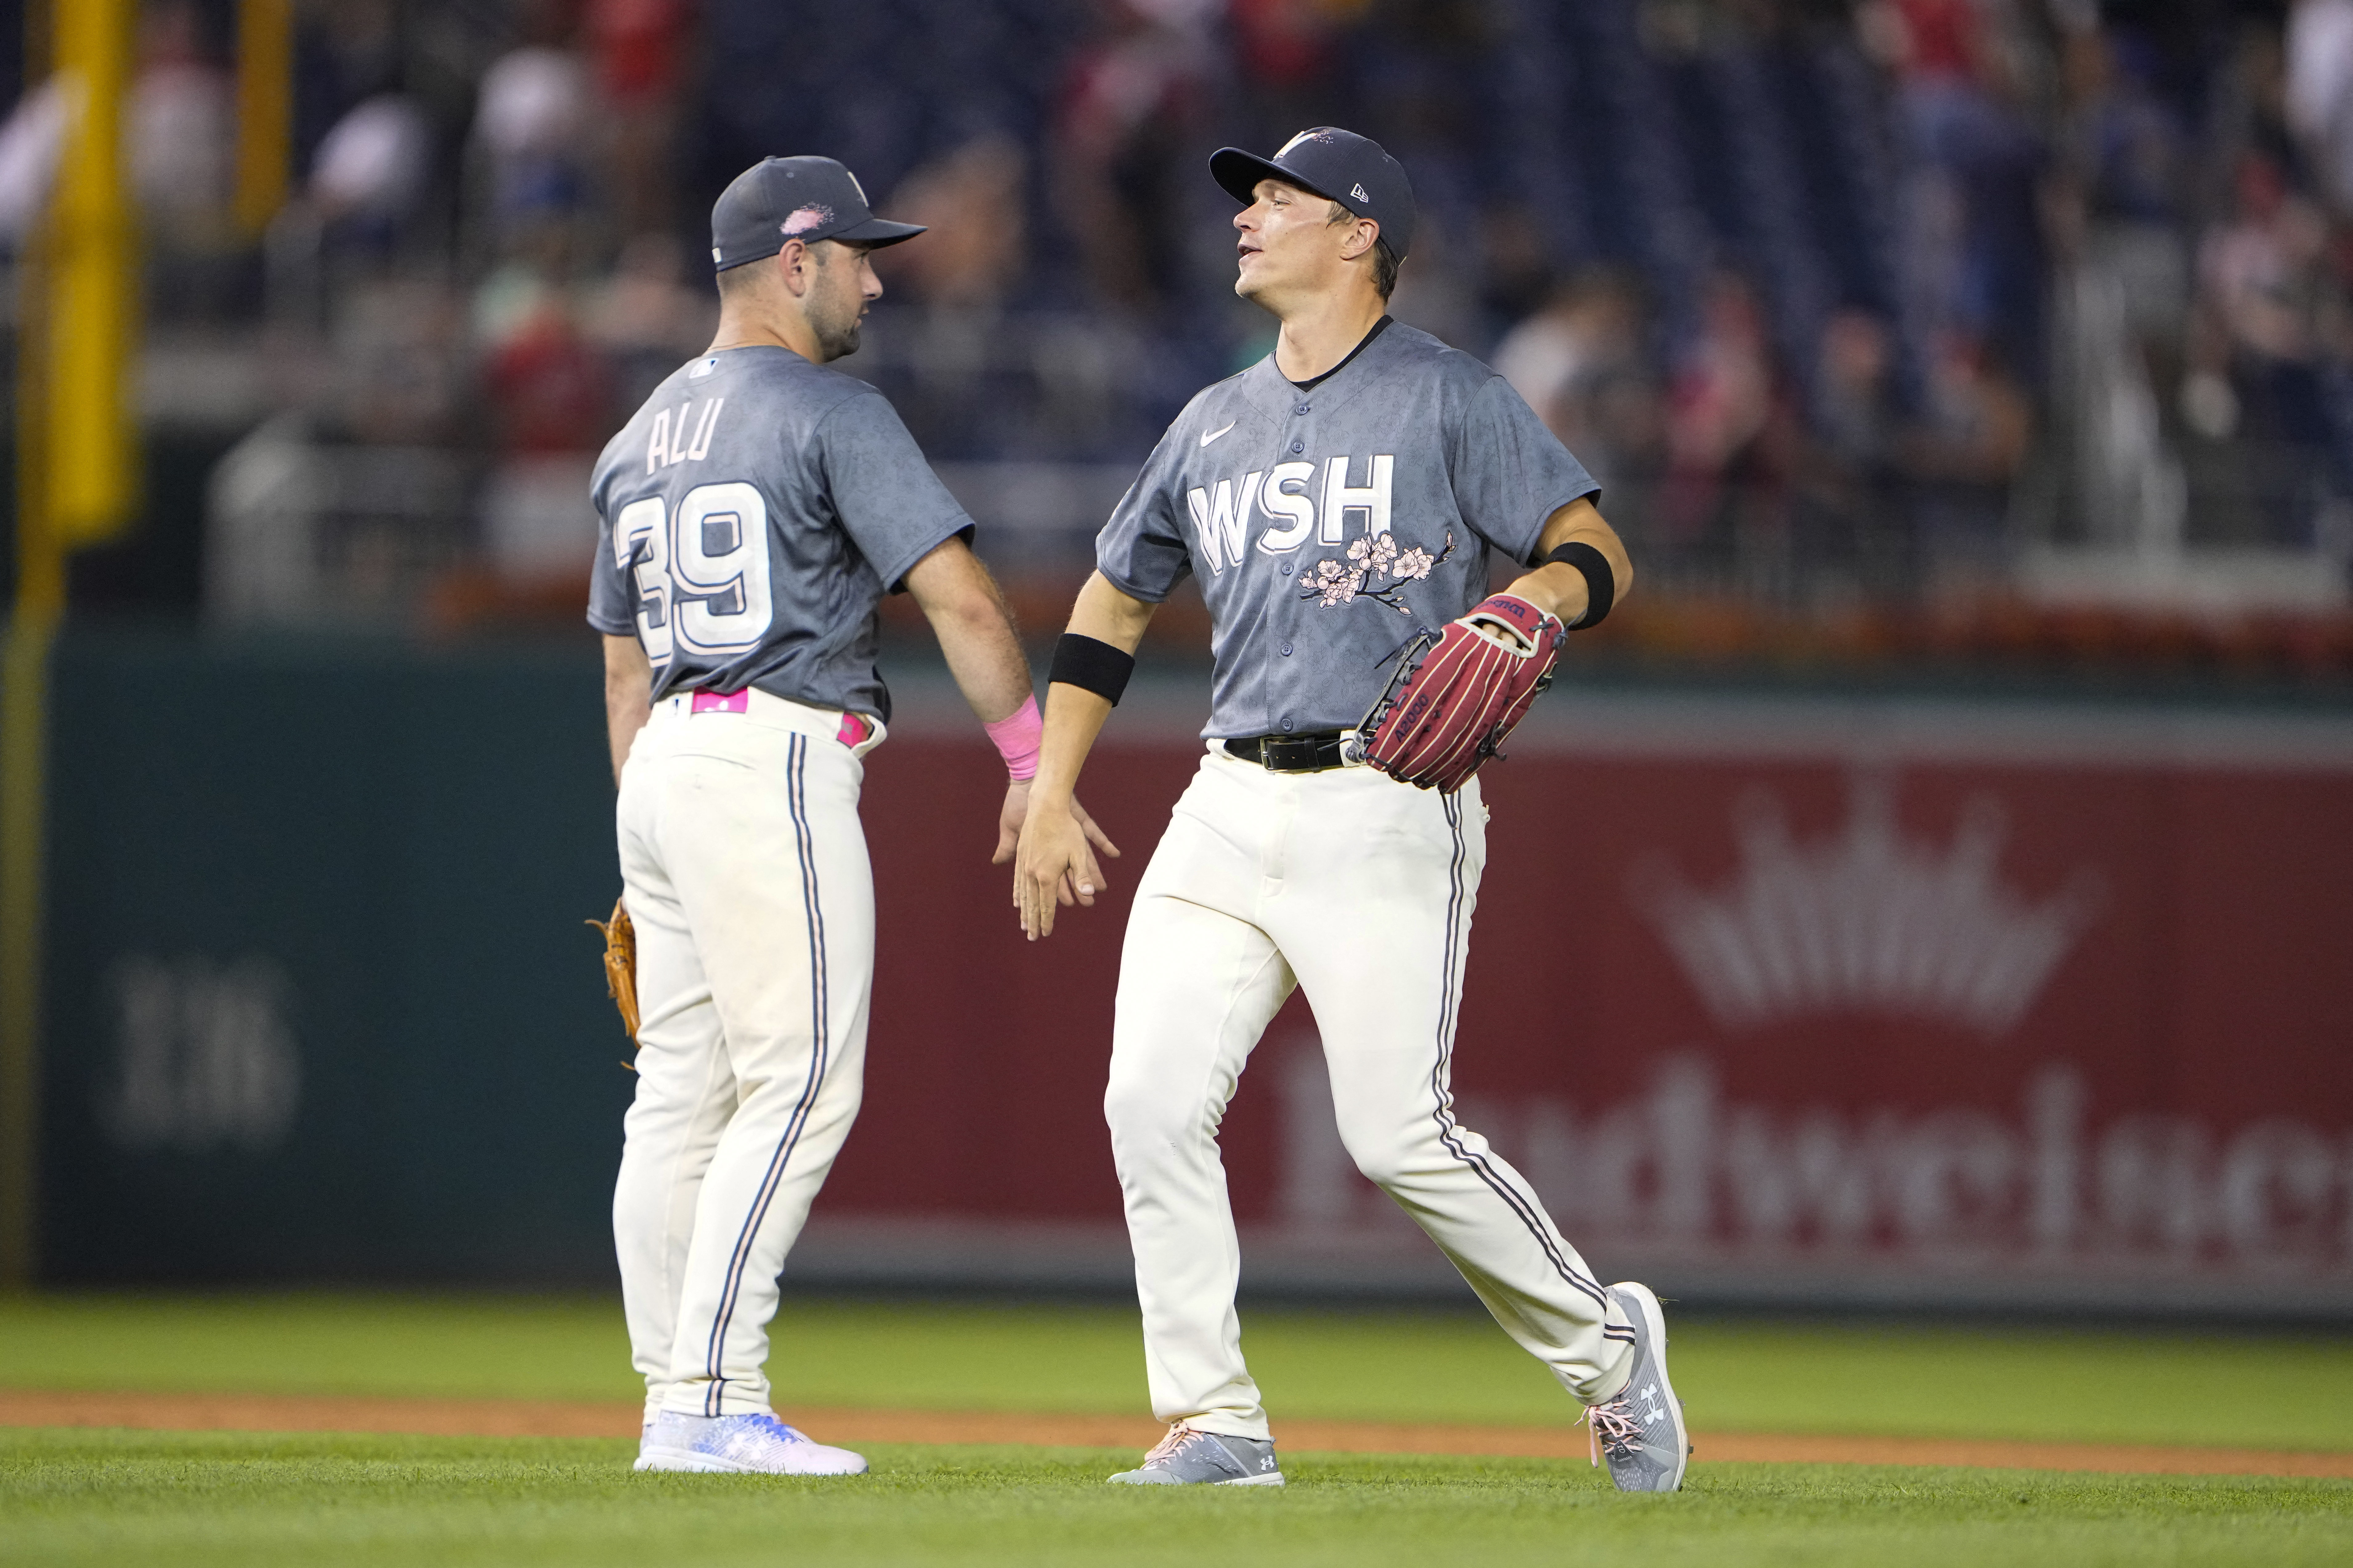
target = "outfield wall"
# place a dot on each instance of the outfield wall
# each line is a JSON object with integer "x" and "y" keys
{"x": 1798, "y": 999}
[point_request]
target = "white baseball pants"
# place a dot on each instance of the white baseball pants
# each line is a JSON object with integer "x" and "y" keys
{"x": 1359, "y": 888}
{"x": 744, "y": 869}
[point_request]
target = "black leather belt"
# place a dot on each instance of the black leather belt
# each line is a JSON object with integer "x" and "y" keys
{"x": 1311, "y": 752}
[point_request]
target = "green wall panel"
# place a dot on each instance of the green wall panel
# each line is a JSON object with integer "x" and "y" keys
{"x": 321, "y": 1004}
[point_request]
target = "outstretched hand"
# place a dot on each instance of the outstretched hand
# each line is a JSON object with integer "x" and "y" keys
{"x": 1017, "y": 808}
{"x": 1054, "y": 861}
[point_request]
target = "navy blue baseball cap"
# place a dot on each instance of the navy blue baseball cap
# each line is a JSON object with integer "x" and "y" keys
{"x": 1338, "y": 165}
{"x": 803, "y": 198}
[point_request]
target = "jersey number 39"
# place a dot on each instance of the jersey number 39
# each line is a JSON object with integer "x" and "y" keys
{"x": 702, "y": 576}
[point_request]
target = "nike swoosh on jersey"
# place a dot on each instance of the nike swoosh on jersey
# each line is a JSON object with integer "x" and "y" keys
{"x": 1219, "y": 431}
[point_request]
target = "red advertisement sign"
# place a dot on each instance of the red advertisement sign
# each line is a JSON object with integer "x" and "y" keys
{"x": 1802, "y": 1001}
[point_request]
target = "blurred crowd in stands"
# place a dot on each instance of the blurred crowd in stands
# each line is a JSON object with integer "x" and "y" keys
{"x": 1871, "y": 317}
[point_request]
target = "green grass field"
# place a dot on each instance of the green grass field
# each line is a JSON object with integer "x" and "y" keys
{"x": 71, "y": 1497}
{"x": 2257, "y": 1390}
{"x": 113, "y": 1498}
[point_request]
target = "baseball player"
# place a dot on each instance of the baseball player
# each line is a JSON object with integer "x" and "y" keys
{"x": 753, "y": 514}
{"x": 1338, "y": 502}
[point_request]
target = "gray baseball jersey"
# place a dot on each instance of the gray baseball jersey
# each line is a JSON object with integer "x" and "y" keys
{"x": 1327, "y": 526}
{"x": 751, "y": 518}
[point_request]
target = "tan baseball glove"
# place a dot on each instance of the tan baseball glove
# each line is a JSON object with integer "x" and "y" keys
{"x": 621, "y": 964}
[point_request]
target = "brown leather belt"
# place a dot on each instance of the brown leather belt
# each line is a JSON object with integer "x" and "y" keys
{"x": 1311, "y": 752}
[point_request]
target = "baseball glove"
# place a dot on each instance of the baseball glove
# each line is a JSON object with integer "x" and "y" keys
{"x": 1455, "y": 696}
{"x": 621, "y": 964}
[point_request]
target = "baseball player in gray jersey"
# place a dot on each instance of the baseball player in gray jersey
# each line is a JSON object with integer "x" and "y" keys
{"x": 1337, "y": 500}
{"x": 754, "y": 513}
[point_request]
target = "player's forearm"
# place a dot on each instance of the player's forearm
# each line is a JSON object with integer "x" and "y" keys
{"x": 985, "y": 655}
{"x": 1560, "y": 589}
{"x": 628, "y": 696}
{"x": 976, "y": 629}
{"x": 621, "y": 727}
{"x": 1074, "y": 715}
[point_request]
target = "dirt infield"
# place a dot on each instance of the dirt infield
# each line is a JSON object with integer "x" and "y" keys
{"x": 558, "y": 1418}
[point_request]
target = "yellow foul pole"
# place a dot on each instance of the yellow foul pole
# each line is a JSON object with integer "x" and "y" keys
{"x": 265, "y": 109}
{"x": 93, "y": 476}
{"x": 77, "y": 483}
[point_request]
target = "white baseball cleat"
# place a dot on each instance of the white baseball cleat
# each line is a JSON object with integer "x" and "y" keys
{"x": 756, "y": 1445}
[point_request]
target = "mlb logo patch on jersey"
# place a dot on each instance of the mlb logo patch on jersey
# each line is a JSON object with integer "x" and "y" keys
{"x": 706, "y": 368}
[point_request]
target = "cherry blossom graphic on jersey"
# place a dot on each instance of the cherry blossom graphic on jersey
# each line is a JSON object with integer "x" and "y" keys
{"x": 1371, "y": 558}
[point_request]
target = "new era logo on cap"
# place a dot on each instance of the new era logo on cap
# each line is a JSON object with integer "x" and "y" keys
{"x": 1358, "y": 191}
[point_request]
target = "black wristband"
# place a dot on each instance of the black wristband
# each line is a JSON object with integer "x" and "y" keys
{"x": 1092, "y": 666}
{"x": 1600, "y": 585}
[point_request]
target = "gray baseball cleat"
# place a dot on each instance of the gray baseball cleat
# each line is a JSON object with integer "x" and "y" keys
{"x": 1641, "y": 1432}
{"x": 1186, "y": 1458}
{"x": 756, "y": 1445}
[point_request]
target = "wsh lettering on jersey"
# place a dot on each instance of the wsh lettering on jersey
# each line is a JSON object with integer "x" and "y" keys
{"x": 671, "y": 444}
{"x": 1296, "y": 503}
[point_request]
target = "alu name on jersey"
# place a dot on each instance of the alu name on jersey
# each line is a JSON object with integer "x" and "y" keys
{"x": 664, "y": 452}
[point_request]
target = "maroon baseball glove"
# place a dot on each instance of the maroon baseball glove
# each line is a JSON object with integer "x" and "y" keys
{"x": 1454, "y": 698}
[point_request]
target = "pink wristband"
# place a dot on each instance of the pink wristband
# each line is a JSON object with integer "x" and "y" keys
{"x": 1017, "y": 736}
